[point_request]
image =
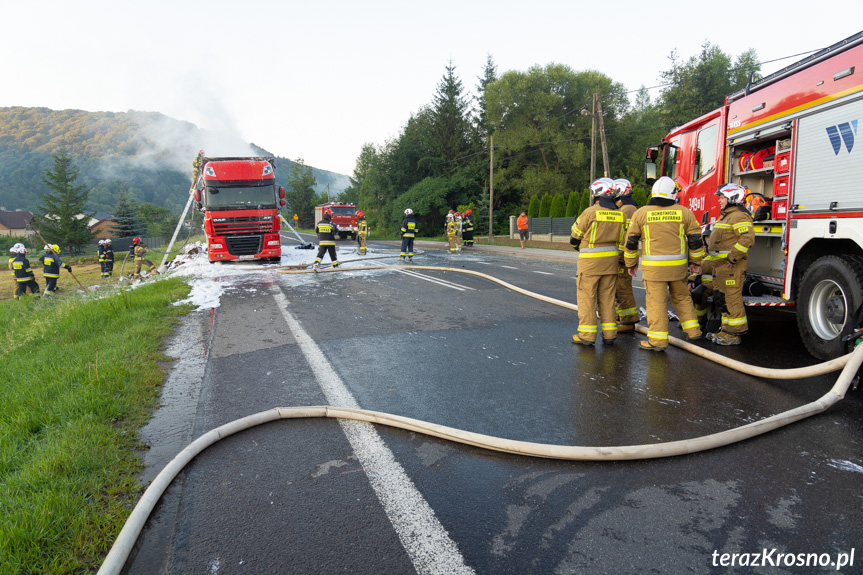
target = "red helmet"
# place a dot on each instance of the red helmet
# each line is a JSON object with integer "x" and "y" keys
{"x": 136, "y": 241}
{"x": 456, "y": 214}
{"x": 360, "y": 214}
{"x": 468, "y": 212}
{"x": 328, "y": 214}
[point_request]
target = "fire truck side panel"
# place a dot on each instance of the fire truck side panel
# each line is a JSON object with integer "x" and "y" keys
{"x": 829, "y": 167}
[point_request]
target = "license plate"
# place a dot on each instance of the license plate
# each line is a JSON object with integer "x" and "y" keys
{"x": 246, "y": 257}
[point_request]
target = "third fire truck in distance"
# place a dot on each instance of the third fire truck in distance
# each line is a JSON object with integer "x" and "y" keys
{"x": 344, "y": 218}
{"x": 791, "y": 138}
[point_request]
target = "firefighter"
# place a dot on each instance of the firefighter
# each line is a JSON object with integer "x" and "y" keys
{"x": 24, "y": 276}
{"x": 109, "y": 257}
{"x": 597, "y": 234}
{"x": 458, "y": 232}
{"x": 101, "y": 253}
{"x": 139, "y": 248}
{"x": 52, "y": 262}
{"x": 326, "y": 240}
{"x": 409, "y": 232}
{"x": 665, "y": 230}
{"x": 362, "y": 231}
{"x": 467, "y": 228}
{"x": 627, "y": 309}
{"x": 728, "y": 246}
{"x": 450, "y": 233}
{"x": 14, "y": 253}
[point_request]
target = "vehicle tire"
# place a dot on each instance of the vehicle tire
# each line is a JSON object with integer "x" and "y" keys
{"x": 354, "y": 237}
{"x": 830, "y": 293}
{"x": 342, "y": 235}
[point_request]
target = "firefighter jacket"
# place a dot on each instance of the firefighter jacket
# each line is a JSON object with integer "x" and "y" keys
{"x": 409, "y": 227}
{"x": 21, "y": 268}
{"x": 106, "y": 254}
{"x": 53, "y": 263}
{"x": 140, "y": 250}
{"x": 450, "y": 227}
{"x": 467, "y": 224}
{"x": 670, "y": 238}
{"x": 628, "y": 207}
{"x": 732, "y": 235}
{"x": 598, "y": 236}
{"x": 362, "y": 227}
{"x": 326, "y": 231}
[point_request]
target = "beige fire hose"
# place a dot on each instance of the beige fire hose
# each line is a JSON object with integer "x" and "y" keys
{"x": 119, "y": 552}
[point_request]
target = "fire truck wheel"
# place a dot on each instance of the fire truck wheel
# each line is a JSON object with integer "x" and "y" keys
{"x": 830, "y": 293}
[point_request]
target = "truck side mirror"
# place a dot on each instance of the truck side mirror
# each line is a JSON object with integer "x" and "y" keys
{"x": 282, "y": 193}
{"x": 198, "y": 196}
{"x": 652, "y": 154}
{"x": 649, "y": 173}
{"x": 283, "y": 202}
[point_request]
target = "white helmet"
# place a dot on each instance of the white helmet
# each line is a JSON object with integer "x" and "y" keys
{"x": 602, "y": 187}
{"x": 408, "y": 212}
{"x": 101, "y": 242}
{"x": 623, "y": 187}
{"x": 732, "y": 192}
{"x": 46, "y": 247}
{"x": 666, "y": 188}
{"x": 18, "y": 249}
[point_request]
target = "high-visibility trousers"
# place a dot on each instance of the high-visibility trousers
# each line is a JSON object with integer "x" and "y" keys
{"x": 452, "y": 246}
{"x": 657, "y": 310}
{"x": 627, "y": 309}
{"x": 730, "y": 283}
{"x": 361, "y": 239}
{"x": 596, "y": 292}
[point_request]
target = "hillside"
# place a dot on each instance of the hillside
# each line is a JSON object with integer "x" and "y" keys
{"x": 147, "y": 152}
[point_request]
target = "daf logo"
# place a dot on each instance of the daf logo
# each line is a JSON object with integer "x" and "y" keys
{"x": 844, "y": 132}
{"x": 219, "y": 219}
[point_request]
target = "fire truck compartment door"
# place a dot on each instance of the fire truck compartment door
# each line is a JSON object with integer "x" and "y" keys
{"x": 829, "y": 159}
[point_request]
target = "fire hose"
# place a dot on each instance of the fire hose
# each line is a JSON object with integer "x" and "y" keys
{"x": 849, "y": 363}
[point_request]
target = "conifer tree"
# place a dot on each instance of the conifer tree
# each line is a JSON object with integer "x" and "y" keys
{"x": 558, "y": 206}
{"x": 533, "y": 208}
{"x": 544, "y": 205}
{"x": 573, "y": 204}
{"x": 63, "y": 220}
{"x": 126, "y": 222}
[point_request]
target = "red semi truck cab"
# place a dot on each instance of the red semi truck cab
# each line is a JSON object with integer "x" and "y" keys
{"x": 241, "y": 203}
{"x": 344, "y": 218}
{"x": 792, "y": 139}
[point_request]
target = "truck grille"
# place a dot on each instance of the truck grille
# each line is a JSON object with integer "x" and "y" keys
{"x": 225, "y": 226}
{"x": 244, "y": 245}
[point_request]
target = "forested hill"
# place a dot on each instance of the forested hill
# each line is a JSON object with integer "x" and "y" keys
{"x": 149, "y": 153}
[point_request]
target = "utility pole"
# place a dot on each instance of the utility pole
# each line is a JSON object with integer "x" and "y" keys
{"x": 593, "y": 140}
{"x": 491, "y": 190}
{"x": 598, "y": 111}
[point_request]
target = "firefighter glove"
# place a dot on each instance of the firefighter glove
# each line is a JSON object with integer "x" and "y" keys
{"x": 68, "y": 268}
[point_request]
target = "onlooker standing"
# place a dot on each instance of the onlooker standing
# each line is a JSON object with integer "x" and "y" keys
{"x": 522, "y": 225}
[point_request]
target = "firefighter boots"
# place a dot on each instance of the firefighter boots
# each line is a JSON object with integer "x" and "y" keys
{"x": 644, "y": 344}
{"x": 626, "y": 328}
{"x": 579, "y": 341}
{"x": 724, "y": 338}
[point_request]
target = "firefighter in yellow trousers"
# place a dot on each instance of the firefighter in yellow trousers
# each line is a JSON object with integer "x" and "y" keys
{"x": 729, "y": 244}
{"x": 362, "y": 231}
{"x": 597, "y": 234}
{"x": 627, "y": 309}
{"x": 671, "y": 246}
{"x": 450, "y": 233}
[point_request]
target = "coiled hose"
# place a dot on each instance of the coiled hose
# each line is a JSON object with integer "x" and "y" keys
{"x": 119, "y": 552}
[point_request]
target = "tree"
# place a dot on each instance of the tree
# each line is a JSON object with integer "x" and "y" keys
{"x": 573, "y": 204}
{"x": 159, "y": 221}
{"x": 301, "y": 196}
{"x": 451, "y": 119}
{"x": 63, "y": 219}
{"x": 364, "y": 164}
{"x": 126, "y": 222}
{"x": 558, "y": 206}
{"x": 544, "y": 205}
{"x": 489, "y": 75}
{"x": 533, "y": 207}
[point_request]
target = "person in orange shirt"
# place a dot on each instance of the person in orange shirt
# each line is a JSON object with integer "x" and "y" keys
{"x": 521, "y": 223}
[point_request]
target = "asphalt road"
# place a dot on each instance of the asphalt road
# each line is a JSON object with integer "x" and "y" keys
{"x": 320, "y": 496}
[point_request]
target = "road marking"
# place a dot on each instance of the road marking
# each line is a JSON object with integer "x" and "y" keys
{"x": 543, "y": 273}
{"x": 425, "y": 540}
{"x": 444, "y": 283}
{"x": 510, "y": 267}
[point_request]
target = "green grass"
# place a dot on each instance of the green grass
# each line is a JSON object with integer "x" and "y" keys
{"x": 78, "y": 377}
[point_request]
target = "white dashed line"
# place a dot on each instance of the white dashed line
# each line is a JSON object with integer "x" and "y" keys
{"x": 543, "y": 273}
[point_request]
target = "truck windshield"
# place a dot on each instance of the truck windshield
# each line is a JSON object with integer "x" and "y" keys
{"x": 241, "y": 197}
{"x": 344, "y": 211}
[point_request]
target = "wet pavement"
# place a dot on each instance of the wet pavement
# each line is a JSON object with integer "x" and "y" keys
{"x": 292, "y": 496}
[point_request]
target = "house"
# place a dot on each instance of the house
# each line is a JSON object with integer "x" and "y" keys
{"x": 100, "y": 224}
{"x": 15, "y": 223}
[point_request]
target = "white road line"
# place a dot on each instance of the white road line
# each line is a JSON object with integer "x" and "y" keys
{"x": 426, "y": 541}
{"x": 444, "y": 283}
{"x": 510, "y": 267}
{"x": 543, "y": 273}
{"x": 483, "y": 263}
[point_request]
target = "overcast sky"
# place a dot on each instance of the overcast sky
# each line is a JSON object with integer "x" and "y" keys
{"x": 317, "y": 79}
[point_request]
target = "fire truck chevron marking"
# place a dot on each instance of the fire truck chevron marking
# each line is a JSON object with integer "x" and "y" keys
{"x": 842, "y": 133}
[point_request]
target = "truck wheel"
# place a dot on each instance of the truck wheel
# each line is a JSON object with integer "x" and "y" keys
{"x": 830, "y": 293}
{"x": 354, "y": 237}
{"x": 342, "y": 235}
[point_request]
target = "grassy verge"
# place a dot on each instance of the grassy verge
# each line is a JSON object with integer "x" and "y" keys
{"x": 78, "y": 377}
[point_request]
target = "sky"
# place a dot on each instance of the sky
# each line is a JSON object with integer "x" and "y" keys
{"x": 318, "y": 79}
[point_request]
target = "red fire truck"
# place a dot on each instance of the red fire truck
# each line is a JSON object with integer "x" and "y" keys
{"x": 344, "y": 218}
{"x": 790, "y": 139}
{"x": 241, "y": 205}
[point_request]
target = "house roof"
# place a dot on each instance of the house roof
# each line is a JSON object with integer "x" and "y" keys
{"x": 15, "y": 220}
